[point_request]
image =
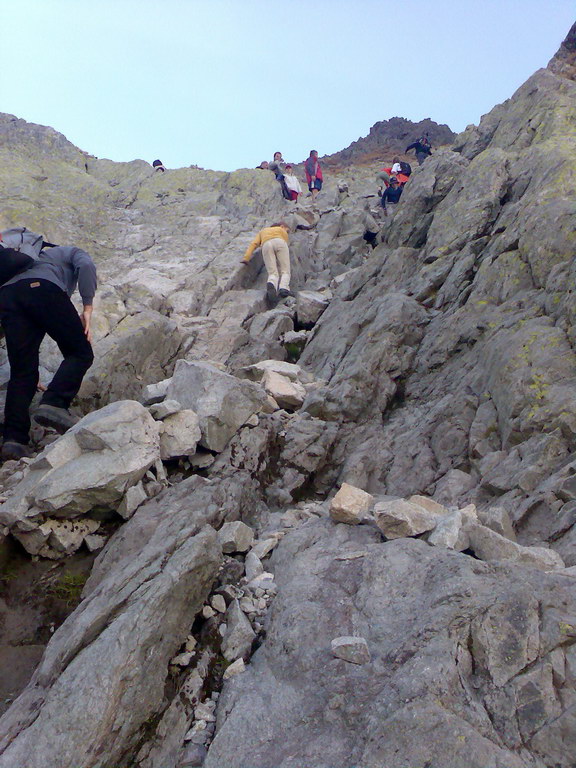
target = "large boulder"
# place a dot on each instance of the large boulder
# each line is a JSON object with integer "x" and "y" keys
{"x": 81, "y": 470}
{"x": 223, "y": 402}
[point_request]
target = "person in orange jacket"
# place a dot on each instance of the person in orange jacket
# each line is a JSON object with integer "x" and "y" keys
{"x": 274, "y": 242}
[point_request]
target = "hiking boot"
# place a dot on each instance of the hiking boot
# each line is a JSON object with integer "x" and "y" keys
{"x": 271, "y": 294}
{"x": 283, "y": 292}
{"x": 59, "y": 419}
{"x": 13, "y": 451}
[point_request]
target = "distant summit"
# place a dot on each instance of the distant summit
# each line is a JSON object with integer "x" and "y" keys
{"x": 389, "y": 137}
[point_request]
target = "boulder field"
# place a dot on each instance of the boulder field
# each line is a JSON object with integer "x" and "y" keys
{"x": 337, "y": 532}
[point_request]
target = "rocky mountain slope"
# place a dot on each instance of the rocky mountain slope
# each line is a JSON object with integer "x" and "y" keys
{"x": 337, "y": 532}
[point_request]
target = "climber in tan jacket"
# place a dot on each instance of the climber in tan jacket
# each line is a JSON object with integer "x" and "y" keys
{"x": 274, "y": 243}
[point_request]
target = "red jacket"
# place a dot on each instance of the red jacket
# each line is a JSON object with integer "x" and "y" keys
{"x": 312, "y": 168}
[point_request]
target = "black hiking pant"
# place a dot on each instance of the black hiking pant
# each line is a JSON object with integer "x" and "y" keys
{"x": 30, "y": 309}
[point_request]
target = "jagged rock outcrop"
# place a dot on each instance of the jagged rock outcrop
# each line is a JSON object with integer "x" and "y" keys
{"x": 436, "y": 375}
{"x": 390, "y": 137}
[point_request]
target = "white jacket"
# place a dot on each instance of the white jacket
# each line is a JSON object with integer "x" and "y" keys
{"x": 293, "y": 184}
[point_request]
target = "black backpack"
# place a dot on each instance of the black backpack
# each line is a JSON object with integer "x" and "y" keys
{"x": 19, "y": 249}
{"x": 12, "y": 262}
{"x": 405, "y": 168}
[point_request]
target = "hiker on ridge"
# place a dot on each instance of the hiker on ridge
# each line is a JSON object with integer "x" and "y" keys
{"x": 34, "y": 303}
{"x": 158, "y": 165}
{"x": 274, "y": 243}
{"x": 313, "y": 174}
{"x": 422, "y": 148}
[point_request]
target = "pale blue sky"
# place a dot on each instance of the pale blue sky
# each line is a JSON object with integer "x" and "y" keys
{"x": 225, "y": 83}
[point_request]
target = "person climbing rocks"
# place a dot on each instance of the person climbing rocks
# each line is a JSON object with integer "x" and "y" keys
{"x": 422, "y": 148}
{"x": 292, "y": 183}
{"x": 278, "y": 166}
{"x": 313, "y": 174}
{"x": 396, "y": 167}
{"x": 158, "y": 165}
{"x": 274, "y": 242}
{"x": 382, "y": 180}
{"x": 391, "y": 194}
{"x": 34, "y": 303}
{"x": 264, "y": 166}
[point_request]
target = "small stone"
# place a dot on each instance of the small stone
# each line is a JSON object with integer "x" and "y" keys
{"x": 193, "y": 756}
{"x": 94, "y": 541}
{"x": 288, "y": 394}
{"x": 191, "y": 643}
{"x": 264, "y": 581}
{"x": 498, "y": 519}
{"x": 218, "y": 603}
{"x": 182, "y": 659}
{"x": 247, "y": 605}
{"x": 263, "y": 547}
{"x": 154, "y": 393}
{"x": 208, "y": 612}
{"x": 179, "y": 434}
{"x": 253, "y": 421}
{"x": 398, "y": 518}
{"x": 350, "y": 505}
{"x": 236, "y": 537}
{"x": 234, "y": 669}
{"x": 352, "y": 649}
{"x": 450, "y": 533}
{"x": 132, "y": 499}
{"x": 253, "y": 566}
{"x": 160, "y": 411}
{"x": 239, "y": 637}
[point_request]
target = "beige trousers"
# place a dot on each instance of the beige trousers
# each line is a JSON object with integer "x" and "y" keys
{"x": 277, "y": 261}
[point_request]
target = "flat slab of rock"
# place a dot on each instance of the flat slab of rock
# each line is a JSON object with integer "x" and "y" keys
{"x": 398, "y": 518}
{"x": 492, "y": 547}
{"x": 223, "y": 402}
{"x": 352, "y": 649}
{"x": 350, "y": 505}
{"x": 256, "y": 372}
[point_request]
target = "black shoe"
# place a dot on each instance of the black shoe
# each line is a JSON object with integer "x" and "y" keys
{"x": 283, "y": 292}
{"x": 271, "y": 294}
{"x": 56, "y": 418}
{"x": 13, "y": 451}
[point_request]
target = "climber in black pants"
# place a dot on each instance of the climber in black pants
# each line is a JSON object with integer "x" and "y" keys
{"x": 35, "y": 303}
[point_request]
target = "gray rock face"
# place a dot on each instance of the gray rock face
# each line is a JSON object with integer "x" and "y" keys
{"x": 450, "y": 656}
{"x": 222, "y": 402}
{"x": 442, "y": 371}
{"x": 49, "y": 711}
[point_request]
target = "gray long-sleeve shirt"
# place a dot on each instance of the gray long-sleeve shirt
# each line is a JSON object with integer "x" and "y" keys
{"x": 66, "y": 267}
